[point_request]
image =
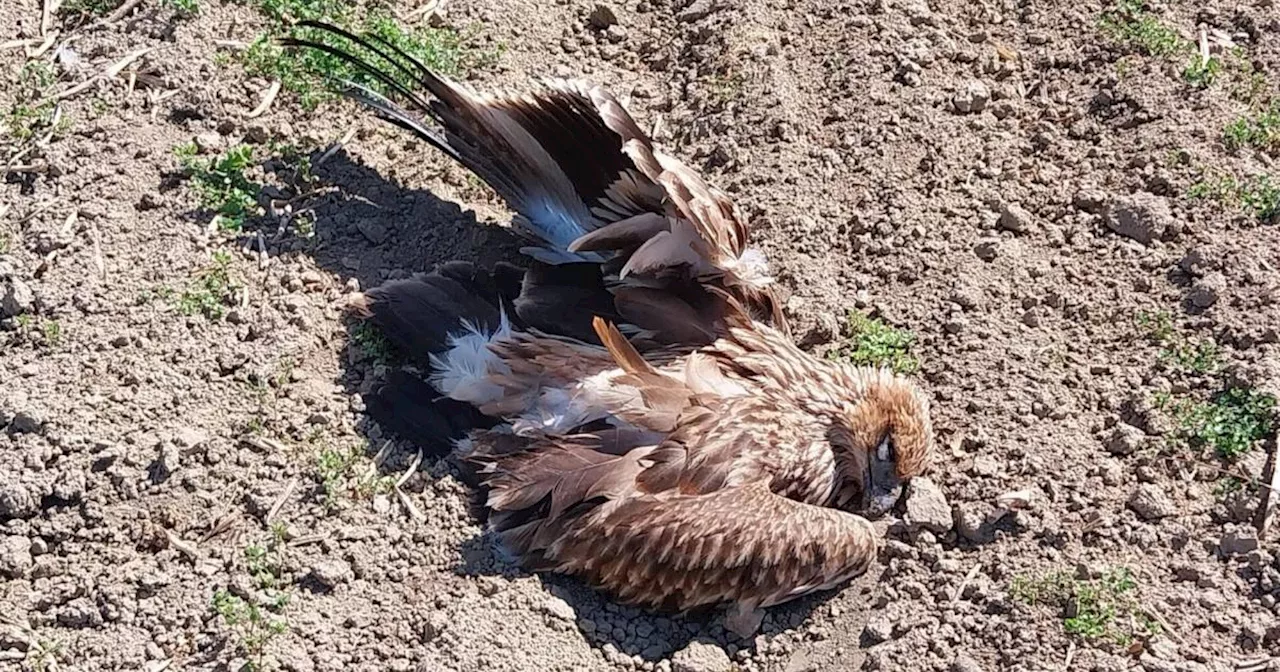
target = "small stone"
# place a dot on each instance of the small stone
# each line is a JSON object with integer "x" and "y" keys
{"x": 1162, "y": 648}
{"x": 331, "y": 573}
{"x": 963, "y": 663}
{"x": 168, "y": 462}
{"x": 1125, "y": 439}
{"x": 972, "y": 98}
{"x": 208, "y": 143}
{"x": 1151, "y": 503}
{"x": 559, "y": 608}
{"x": 80, "y": 613}
{"x": 987, "y": 249}
{"x": 372, "y": 231}
{"x": 318, "y": 419}
{"x": 602, "y": 16}
{"x": 15, "y": 556}
{"x": 1090, "y": 200}
{"x": 878, "y": 630}
{"x": 16, "y": 298}
{"x": 23, "y": 422}
{"x": 1031, "y": 317}
{"x": 1238, "y": 543}
{"x": 971, "y": 521}
{"x": 190, "y": 437}
{"x": 1015, "y": 218}
{"x": 697, "y": 10}
{"x": 229, "y": 363}
{"x": 15, "y": 499}
{"x": 1206, "y": 291}
{"x": 701, "y": 657}
{"x": 1142, "y": 217}
{"x": 927, "y": 508}
{"x": 39, "y": 546}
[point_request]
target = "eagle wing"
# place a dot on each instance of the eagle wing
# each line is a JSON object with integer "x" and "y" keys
{"x": 586, "y": 182}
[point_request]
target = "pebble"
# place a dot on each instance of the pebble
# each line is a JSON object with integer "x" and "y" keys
{"x": 1238, "y": 543}
{"x": 23, "y": 422}
{"x": 603, "y": 16}
{"x": 1150, "y": 502}
{"x": 970, "y": 521}
{"x": 963, "y": 663}
{"x": 1142, "y": 217}
{"x": 927, "y": 507}
{"x": 878, "y": 630}
{"x": 701, "y": 657}
{"x": 372, "y": 231}
{"x": 972, "y": 98}
{"x": 1125, "y": 439}
{"x": 15, "y": 556}
{"x": 331, "y": 573}
{"x": 987, "y": 249}
{"x": 1015, "y": 218}
{"x": 1205, "y": 292}
{"x": 17, "y": 298}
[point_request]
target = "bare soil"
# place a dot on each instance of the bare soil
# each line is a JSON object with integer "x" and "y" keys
{"x": 1005, "y": 180}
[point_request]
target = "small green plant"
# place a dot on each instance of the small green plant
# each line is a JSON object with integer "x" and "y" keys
{"x": 211, "y": 291}
{"x": 870, "y": 342}
{"x": 257, "y": 621}
{"x": 221, "y": 184}
{"x": 90, "y": 7}
{"x": 254, "y": 625}
{"x": 43, "y": 654}
{"x": 1261, "y": 131}
{"x": 184, "y": 7}
{"x": 308, "y": 72}
{"x": 371, "y": 342}
{"x": 1231, "y": 423}
{"x": 52, "y": 330}
{"x": 32, "y": 115}
{"x": 336, "y": 469}
{"x": 1176, "y": 351}
{"x": 1102, "y": 608}
{"x": 1258, "y": 195}
{"x": 1131, "y": 24}
{"x": 1202, "y": 73}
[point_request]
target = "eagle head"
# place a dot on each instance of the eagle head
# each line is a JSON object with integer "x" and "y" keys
{"x": 886, "y": 438}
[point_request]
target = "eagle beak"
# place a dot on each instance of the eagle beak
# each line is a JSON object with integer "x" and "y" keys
{"x": 881, "y": 486}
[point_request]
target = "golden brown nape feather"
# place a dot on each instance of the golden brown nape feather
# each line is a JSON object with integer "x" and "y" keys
{"x": 888, "y": 439}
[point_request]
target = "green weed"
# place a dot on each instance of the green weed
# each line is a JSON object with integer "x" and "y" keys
{"x": 183, "y": 7}
{"x": 308, "y": 72}
{"x": 1102, "y": 608}
{"x": 90, "y": 7}
{"x": 1201, "y": 73}
{"x": 1131, "y": 24}
{"x": 336, "y": 469}
{"x": 1176, "y": 351}
{"x": 371, "y": 342}
{"x": 256, "y": 622}
{"x": 32, "y": 115}
{"x": 211, "y": 291}
{"x": 1261, "y": 131}
{"x": 221, "y": 184}
{"x": 870, "y": 342}
{"x": 1257, "y": 195}
{"x": 1231, "y": 423}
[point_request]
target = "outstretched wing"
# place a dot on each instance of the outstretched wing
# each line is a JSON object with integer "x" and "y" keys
{"x": 585, "y": 181}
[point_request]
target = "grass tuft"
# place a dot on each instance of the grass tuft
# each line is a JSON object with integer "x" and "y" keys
{"x": 1257, "y": 195}
{"x": 221, "y": 185}
{"x": 1260, "y": 132}
{"x": 1102, "y": 608}
{"x": 309, "y": 73}
{"x": 1231, "y": 423}
{"x": 211, "y": 291}
{"x": 1202, "y": 74}
{"x": 1177, "y": 351}
{"x": 870, "y": 342}
{"x": 1131, "y": 24}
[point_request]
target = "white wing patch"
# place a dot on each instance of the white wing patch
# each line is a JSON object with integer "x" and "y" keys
{"x": 462, "y": 372}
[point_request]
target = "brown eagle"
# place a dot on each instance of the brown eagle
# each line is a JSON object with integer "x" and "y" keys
{"x": 701, "y": 458}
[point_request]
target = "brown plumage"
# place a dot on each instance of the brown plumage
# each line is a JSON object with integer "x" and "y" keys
{"x": 706, "y": 477}
{"x": 588, "y": 186}
{"x": 717, "y": 463}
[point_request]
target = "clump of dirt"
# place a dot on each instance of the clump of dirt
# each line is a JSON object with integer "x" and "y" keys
{"x": 1063, "y": 221}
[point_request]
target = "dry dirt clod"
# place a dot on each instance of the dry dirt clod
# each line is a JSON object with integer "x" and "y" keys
{"x": 1142, "y": 217}
{"x": 1015, "y": 218}
{"x": 1207, "y": 290}
{"x": 331, "y": 573}
{"x": 16, "y": 298}
{"x": 1150, "y": 502}
{"x": 1125, "y": 439}
{"x": 972, "y": 98}
{"x": 927, "y": 507}
{"x": 701, "y": 657}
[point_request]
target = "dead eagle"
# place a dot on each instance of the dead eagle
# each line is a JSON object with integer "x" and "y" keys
{"x": 713, "y": 467}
